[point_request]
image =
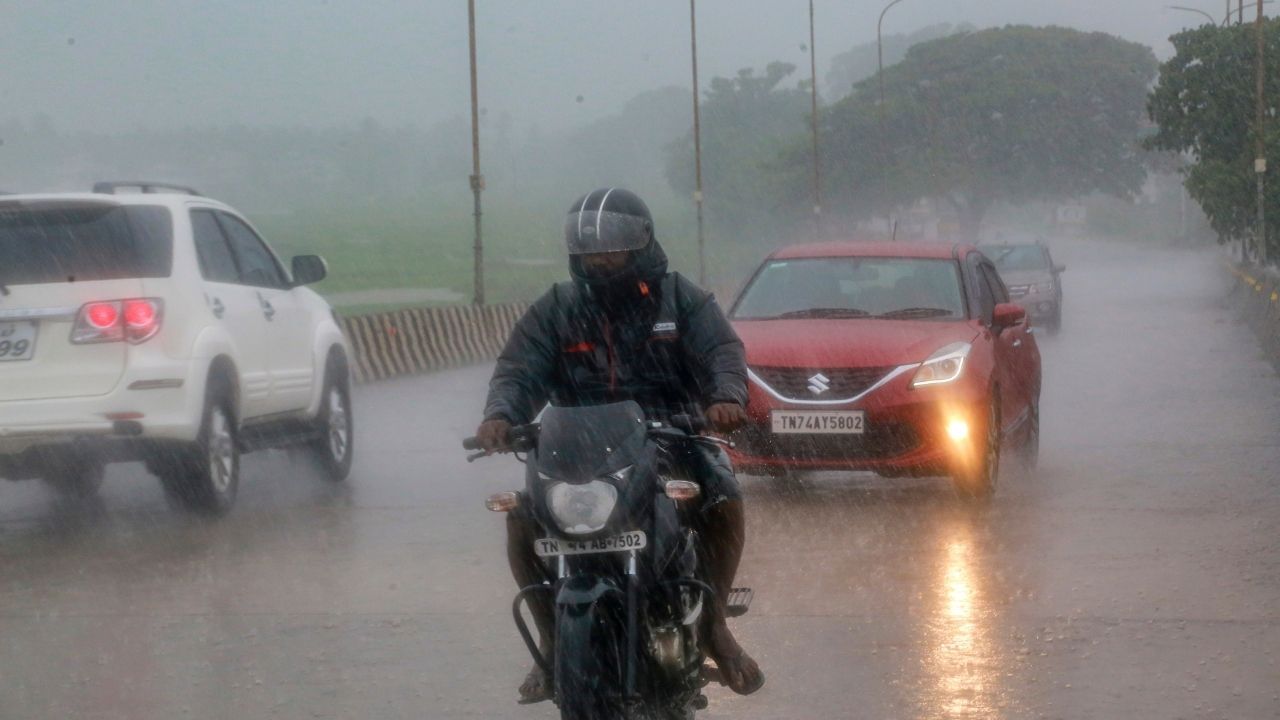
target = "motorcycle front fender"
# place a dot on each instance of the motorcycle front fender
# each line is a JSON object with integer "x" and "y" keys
{"x": 591, "y": 649}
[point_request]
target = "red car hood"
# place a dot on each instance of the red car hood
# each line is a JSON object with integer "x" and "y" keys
{"x": 846, "y": 343}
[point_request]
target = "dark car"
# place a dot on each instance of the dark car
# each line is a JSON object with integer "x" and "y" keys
{"x": 1033, "y": 280}
{"x": 900, "y": 359}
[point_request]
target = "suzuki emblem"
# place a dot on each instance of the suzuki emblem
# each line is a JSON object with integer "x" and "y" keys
{"x": 819, "y": 384}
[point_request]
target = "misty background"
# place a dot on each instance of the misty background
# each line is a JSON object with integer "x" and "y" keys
{"x": 343, "y": 126}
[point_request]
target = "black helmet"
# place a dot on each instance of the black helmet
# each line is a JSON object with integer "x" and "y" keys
{"x": 608, "y": 220}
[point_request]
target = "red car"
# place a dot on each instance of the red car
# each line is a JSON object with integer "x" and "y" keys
{"x": 902, "y": 359}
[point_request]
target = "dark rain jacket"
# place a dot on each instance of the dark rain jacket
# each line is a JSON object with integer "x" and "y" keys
{"x": 669, "y": 348}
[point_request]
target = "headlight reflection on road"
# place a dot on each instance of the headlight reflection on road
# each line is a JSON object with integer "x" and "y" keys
{"x": 963, "y": 661}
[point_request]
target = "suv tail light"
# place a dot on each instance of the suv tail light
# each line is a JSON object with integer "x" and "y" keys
{"x": 135, "y": 321}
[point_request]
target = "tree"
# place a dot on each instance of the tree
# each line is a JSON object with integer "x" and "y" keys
{"x": 1204, "y": 105}
{"x": 746, "y": 122}
{"x": 1016, "y": 114}
{"x": 861, "y": 62}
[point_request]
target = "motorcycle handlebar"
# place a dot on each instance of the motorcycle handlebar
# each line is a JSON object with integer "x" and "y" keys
{"x": 520, "y": 439}
{"x": 691, "y": 424}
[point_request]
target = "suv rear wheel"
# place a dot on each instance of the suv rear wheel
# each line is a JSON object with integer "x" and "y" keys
{"x": 333, "y": 447}
{"x": 207, "y": 474}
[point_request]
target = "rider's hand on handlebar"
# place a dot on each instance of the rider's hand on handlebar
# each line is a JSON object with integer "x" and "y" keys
{"x": 726, "y": 416}
{"x": 493, "y": 434}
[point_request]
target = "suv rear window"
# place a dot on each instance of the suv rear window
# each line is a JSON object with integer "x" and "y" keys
{"x": 67, "y": 242}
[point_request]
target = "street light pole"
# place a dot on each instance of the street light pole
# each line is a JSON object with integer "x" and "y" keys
{"x": 880, "y": 107}
{"x": 1260, "y": 163}
{"x": 697, "y": 146}
{"x": 880, "y": 55}
{"x": 817, "y": 165}
{"x": 477, "y": 180}
{"x": 1250, "y": 6}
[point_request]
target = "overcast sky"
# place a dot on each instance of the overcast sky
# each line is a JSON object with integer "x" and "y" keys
{"x": 119, "y": 64}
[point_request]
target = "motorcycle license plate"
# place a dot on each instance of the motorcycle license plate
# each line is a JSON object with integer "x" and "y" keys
{"x": 17, "y": 341}
{"x": 819, "y": 422}
{"x": 626, "y": 542}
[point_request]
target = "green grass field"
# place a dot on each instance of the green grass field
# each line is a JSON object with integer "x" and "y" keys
{"x": 382, "y": 257}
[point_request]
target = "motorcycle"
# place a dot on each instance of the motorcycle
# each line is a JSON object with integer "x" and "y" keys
{"x": 609, "y": 490}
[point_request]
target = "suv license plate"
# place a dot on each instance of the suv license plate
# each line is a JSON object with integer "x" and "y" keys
{"x": 552, "y": 547}
{"x": 819, "y": 422}
{"x": 17, "y": 341}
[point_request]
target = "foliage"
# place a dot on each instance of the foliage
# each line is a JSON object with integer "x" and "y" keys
{"x": 746, "y": 121}
{"x": 1204, "y": 105}
{"x": 1017, "y": 114}
{"x": 861, "y": 62}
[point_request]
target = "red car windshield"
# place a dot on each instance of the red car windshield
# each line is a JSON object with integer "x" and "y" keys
{"x": 854, "y": 287}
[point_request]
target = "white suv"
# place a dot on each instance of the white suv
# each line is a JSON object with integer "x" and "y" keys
{"x": 158, "y": 326}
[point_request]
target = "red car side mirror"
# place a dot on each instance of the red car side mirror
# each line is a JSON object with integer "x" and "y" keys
{"x": 1007, "y": 315}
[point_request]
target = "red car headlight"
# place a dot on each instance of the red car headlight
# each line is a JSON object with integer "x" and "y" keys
{"x": 943, "y": 366}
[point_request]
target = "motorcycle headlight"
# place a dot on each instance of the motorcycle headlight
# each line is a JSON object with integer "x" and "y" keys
{"x": 943, "y": 366}
{"x": 582, "y": 509}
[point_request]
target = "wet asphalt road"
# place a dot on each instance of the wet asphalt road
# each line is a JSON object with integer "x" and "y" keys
{"x": 1137, "y": 575}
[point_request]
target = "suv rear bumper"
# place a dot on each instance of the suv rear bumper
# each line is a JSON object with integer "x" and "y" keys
{"x": 151, "y": 402}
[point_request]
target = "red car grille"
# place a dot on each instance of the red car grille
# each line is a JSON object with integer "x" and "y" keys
{"x": 843, "y": 383}
{"x": 880, "y": 441}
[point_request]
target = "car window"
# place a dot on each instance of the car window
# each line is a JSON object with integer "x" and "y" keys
{"x": 258, "y": 267}
{"x": 216, "y": 262}
{"x": 983, "y": 296}
{"x": 76, "y": 242}
{"x": 1017, "y": 258}
{"x": 878, "y": 287}
{"x": 998, "y": 291}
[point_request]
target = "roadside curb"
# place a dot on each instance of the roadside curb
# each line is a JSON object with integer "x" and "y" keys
{"x": 1256, "y": 295}
{"x": 421, "y": 340}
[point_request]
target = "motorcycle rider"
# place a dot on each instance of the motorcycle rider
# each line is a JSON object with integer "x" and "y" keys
{"x": 623, "y": 329}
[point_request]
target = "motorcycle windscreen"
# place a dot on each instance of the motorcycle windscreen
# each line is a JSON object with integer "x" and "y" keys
{"x": 577, "y": 444}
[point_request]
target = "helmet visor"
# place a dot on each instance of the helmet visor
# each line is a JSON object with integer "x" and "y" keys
{"x": 603, "y": 232}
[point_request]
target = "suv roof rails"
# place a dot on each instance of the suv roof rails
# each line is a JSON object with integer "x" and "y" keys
{"x": 111, "y": 187}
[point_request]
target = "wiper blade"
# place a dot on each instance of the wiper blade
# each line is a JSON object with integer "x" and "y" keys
{"x": 915, "y": 312}
{"x": 823, "y": 313}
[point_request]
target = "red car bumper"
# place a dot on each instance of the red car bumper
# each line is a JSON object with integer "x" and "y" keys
{"x": 907, "y": 431}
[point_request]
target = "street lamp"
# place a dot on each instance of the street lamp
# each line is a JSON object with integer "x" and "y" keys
{"x": 1212, "y": 21}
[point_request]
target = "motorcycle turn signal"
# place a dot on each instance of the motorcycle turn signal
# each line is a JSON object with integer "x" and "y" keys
{"x": 503, "y": 501}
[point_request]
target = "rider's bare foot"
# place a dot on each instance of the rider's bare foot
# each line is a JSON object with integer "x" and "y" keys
{"x": 737, "y": 669}
{"x": 536, "y": 686}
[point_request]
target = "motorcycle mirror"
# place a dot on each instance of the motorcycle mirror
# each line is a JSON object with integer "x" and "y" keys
{"x": 682, "y": 490}
{"x": 502, "y": 502}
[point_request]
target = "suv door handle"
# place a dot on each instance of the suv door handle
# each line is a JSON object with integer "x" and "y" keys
{"x": 217, "y": 307}
{"x": 267, "y": 308}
